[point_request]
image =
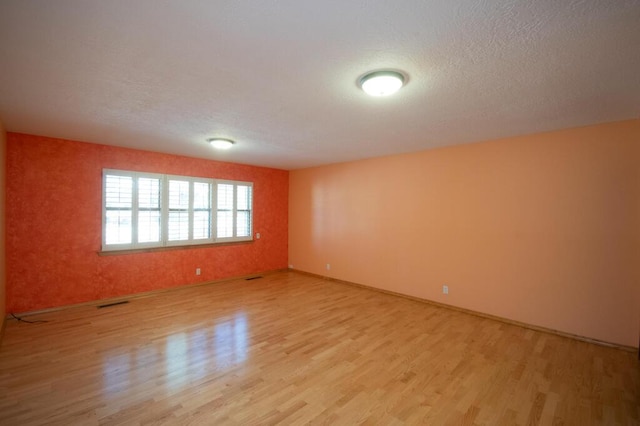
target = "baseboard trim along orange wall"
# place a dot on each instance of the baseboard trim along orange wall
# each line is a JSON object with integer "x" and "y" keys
{"x": 142, "y": 295}
{"x": 541, "y": 229}
{"x": 54, "y": 225}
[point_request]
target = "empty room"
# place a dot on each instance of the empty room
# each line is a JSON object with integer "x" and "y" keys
{"x": 295, "y": 212}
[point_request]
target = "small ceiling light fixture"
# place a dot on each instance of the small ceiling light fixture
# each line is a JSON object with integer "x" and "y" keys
{"x": 219, "y": 143}
{"x": 382, "y": 83}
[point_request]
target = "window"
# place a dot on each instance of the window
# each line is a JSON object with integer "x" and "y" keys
{"x": 151, "y": 210}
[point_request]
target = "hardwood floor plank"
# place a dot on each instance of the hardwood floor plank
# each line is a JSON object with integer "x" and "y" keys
{"x": 296, "y": 349}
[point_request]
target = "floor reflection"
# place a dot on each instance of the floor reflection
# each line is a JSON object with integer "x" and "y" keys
{"x": 116, "y": 371}
{"x": 230, "y": 341}
{"x": 177, "y": 360}
{"x": 186, "y": 357}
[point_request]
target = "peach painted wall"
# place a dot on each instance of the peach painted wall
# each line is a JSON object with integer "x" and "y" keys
{"x": 54, "y": 226}
{"x": 3, "y": 267}
{"x": 542, "y": 229}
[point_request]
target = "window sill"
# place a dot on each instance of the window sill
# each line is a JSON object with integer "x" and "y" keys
{"x": 168, "y": 248}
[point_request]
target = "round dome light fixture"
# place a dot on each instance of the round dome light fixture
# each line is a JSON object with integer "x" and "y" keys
{"x": 220, "y": 143}
{"x": 382, "y": 83}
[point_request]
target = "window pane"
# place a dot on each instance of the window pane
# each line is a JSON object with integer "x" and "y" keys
{"x": 201, "y": 195}
{"x": 178, "y": 194}
{"x": 149, "y": 193}
{"x": 244, "y": 226}
{"x": 201, "y": 224}
{"x": 178, "y": 226}
{"x": 119, "y": 203}
{"x": 148, "y": 210}
{"x": 202, "y": 210}
{"x": 225, "y": 224}
{"x": 225, "y": 197}
{"x": 148, "y": 226}
{"x": 244, "y": 197}
{"x": 225, "y": 210}
{"x": 118, "y": 191}
{"x": 243, "y": 219}
{"x": 178, "y": 210}
{"x": 118, "y": 227}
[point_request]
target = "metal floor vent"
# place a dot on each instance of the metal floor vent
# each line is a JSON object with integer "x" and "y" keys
{"x": 253, "y": 278}
{"x": 108, "y": 305}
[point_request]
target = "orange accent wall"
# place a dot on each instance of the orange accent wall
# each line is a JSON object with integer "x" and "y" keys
{"x": 54, "y": 225}
{"x": 542, "y": 229}
{"x": 3, "y": 263}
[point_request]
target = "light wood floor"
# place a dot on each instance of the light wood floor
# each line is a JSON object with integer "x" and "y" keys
{"x": 293, "y": 349}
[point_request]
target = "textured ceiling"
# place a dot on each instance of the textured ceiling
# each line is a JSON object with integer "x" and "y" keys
{"x": 279, "y": 77}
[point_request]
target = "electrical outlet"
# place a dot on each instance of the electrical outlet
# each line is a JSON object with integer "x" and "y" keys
{"x": 328, "y": 266}
{"x": 257, "y": 235}
{"x": 445, "y": 289}
{"x": 197, "y": 271}
{"x": 291, "y": 266}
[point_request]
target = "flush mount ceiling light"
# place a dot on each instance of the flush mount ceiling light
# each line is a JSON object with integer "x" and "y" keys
{"x": 382, "y": 83}
{"x": 221, "y": 143}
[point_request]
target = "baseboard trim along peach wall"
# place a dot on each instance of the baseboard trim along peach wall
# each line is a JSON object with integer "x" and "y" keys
{"x": 541, "y": 229}
{"x": 474, "y": 313}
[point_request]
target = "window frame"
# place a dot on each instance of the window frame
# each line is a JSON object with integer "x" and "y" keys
{"x": 164, "y": 241}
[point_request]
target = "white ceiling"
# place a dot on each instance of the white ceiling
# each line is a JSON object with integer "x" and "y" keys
{"x": 279, "y": 76}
